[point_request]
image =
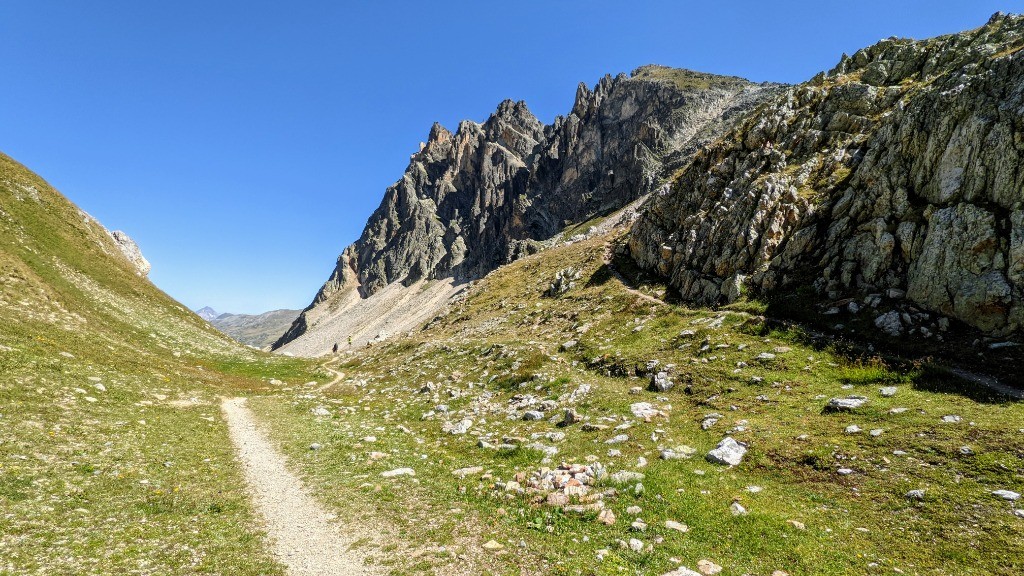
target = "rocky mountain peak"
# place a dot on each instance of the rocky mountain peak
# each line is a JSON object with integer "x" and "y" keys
{"x": 207, "y": 313}
{"x": 472, "y": 201}
{"x": 438, "y": 133}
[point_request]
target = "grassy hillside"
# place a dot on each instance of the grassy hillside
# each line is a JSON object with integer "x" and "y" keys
{"x": 113, "y": 455}
{"x": 818, "y": 499}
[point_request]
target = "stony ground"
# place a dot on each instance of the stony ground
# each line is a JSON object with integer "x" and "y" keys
{"x": 533, "y": 430}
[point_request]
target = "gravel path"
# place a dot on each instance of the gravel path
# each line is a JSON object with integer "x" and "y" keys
{"x": 337, "y": 378}
{"x": 303, "y": 535}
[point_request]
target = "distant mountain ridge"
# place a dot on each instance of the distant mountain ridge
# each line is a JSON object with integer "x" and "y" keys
{"x": 257, "y": 330}
{"x": 207, "y": 313}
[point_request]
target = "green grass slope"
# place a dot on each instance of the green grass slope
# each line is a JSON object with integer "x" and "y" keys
{"x": 803, "y": 516}
{"x": 113, "y": 455}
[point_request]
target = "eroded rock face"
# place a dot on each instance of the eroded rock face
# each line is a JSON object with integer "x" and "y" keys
{"x": 900, "y": 169}
{"x": 131, "y": 252}
{"x": 482, "y": 196}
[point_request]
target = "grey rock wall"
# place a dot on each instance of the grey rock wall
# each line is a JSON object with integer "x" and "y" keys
{"x": 898, "y": 172}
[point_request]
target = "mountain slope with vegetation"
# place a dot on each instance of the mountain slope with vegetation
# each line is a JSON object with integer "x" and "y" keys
{"x": 466, "y": 432}
{"x": 113, "y": 457}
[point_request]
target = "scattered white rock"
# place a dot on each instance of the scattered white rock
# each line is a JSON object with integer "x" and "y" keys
{"x": 708, "y": 568}
{"x": 677, "y": 453}
{"x": 468, "y": 471}
{"x": 398, "y": 472}
{"x": 845, "y": 404}
{"x": 677, "y": 526}
{"x": 728, "y": 452}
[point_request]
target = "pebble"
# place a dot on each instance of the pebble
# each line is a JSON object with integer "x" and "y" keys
{"x": 460, "y": 427}
{"x": 888, "y": 391}
{"x": 844, "y": 471}
{"x": 634, "y": 510}
{"x": 677, "y": 453}
{"x": 728, "y": 452}
{"x": 635, "y": 545}
{"x": 645, "y": 410}
{"x": 915, "y": 495}
{"x": 951, "y": 419}
{"x": 315, "y": 446}
{"x": 677, "y": 526}
{"x": 571, "y": 417}
{"x": 708, "y": 568}
{"x": 737, "y": 509}
{"x": 661, "y": 382}
{"x": 852, "y": 429}
{"x": 468, "y": 471}
{"x": 625, "y": 476}
{"x": 398, "y": 472}
{"x": 617, "y": 439}
{"x": 876, "y": 432}
{"x": 845, "y": 404}
{"x": 682, "y": 571}
{"x": 606, "y": 517}
{"x": 493, "y": 546}
{"x": 1006, "y": 495}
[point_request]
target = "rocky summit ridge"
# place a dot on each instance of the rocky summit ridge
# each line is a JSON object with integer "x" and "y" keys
{"x": 893, "y": 182}
{"x": 484, "y": 195}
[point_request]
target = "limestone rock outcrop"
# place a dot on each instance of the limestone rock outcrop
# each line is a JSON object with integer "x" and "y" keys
{"x": 899, "y": 172}
{"x": 482, "y": 196}
{"x": 131, "y": 252}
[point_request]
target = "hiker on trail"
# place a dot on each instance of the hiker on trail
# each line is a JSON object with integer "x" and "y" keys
{"x": 335, "y": 347}
{"x": 350, "y": 340}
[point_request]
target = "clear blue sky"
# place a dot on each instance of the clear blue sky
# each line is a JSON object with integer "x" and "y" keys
{"x": 244, "y": 144}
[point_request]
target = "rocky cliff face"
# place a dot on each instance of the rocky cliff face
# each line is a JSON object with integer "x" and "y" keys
{"x": 131, "y": 251}
{"x": 898, "y": 174}
{"x": 482, "y": 196}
